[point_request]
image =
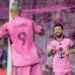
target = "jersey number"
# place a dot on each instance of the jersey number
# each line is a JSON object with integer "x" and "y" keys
{"x": 22, "y": 37}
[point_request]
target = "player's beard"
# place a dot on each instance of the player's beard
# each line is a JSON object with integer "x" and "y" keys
{"x": 59, "y": 36}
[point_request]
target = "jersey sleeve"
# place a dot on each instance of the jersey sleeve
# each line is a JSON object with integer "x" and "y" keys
{"x": 72, "y": 45}
{"x": 3, "y": 30}
{"x": 36, "y": 27}
{"x": 50, "y": 46}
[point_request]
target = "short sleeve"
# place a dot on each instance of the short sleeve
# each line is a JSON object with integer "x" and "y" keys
{"x": 71, "y": 43}
{"x": 50, "y": 46}
{"x": 36, "y": 27}
{"x": 3, "y": 30}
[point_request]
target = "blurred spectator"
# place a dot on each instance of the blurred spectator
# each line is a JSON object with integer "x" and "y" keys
{"x": 47, "y": 70}
{"x": 73, "y": 35}
{"x": 42, "y": 59}
{"x": 0, "y": 58}
{"x": 3, "y": 53}
{"x": 4, "y": 59}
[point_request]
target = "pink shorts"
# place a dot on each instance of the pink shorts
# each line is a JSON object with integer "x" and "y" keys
{"x": 63, "y": 73}
{"x": 29, "y": 70}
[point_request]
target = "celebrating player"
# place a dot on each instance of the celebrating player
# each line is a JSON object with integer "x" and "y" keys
{"x": 20, "y": 31}
{"x": 60, "y": 49}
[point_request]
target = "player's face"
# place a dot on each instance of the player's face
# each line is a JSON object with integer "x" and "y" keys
{"x": 58, "y": 31}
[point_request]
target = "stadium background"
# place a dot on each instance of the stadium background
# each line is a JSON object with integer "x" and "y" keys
{"x": 46, "y": 13}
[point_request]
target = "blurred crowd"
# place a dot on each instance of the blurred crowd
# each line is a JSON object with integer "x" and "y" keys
{"x": 47, "y": 20}
{"x": 3, "y": 53}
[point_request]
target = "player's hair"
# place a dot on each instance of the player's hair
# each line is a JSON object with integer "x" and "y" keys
{"x": 59, "y": 25}
{"x": 16, "y": 6}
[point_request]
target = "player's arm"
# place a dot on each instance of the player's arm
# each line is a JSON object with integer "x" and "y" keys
{"x": 67, "y": 52}
{"x": 3, "y": 31}
{"x": 49, "y": 53}
{"x": 72, "y": 51}
{"x": 72, "y": 48}
{"x": 38, "y": 29}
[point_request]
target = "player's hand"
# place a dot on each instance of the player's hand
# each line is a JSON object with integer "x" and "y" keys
{"x": 53, "y": 47}
{"x": 42, "y": 32}
{"x": 51, "y": 50}
{"x": 67, "y": 52}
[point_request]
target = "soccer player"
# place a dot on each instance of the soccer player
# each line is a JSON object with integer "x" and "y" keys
{"x": 60, "y": 48}
{"x": 20, "y": 31}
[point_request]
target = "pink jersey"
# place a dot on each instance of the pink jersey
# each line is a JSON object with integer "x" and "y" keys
{"x": 20, "y": 31}
{"x": 61, "y": 62}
